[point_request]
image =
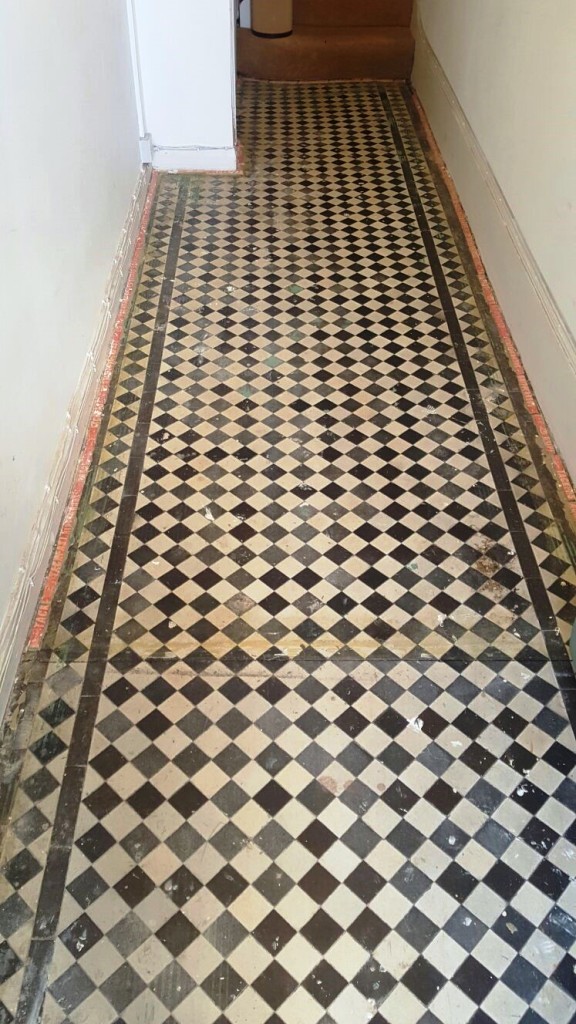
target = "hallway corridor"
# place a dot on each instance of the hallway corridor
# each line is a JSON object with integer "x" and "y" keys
{"x": 300, "y": 753}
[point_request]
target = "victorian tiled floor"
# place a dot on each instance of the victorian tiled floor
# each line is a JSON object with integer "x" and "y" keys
{"x": 300, "y": 752}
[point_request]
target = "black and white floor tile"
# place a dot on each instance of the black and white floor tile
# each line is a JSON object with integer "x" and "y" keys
{"x": 302, "y": 751}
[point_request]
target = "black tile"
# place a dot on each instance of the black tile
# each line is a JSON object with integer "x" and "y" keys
{"x": 102, "y": 801}
{"x": 47, "y": 747}
{"x": 368, "y": 929}
{"x": 560, "y": 927}
{"x": 80, "y": 936}
{"x": 513, "y": 927}
{"x": 565, "y": 973}
{"x": 458, "y": 882}
{"x": 317, "y": 838}
{"x": 391, "y": 722}
{"x": 318, "y": 883}
{"x": 550, "y": 880}
{"x": 72, "y": 988}
{"x": 134, "y": 886}
{"x": 272, "y": 797}
{"x": 181, "y": 886}
{"x": 365, "y": 882}
{"x": 227, "y": 885}
{"x": 442, "y": 796}
{"x": 146, "y": 800}
{"x": 399, "y": 797}
{"x": 503, "y": 880}
{"x": 87, "y": 887}
{"x": 188, "y": 799}
{"x": 9, "y": 962}
{"x": 108, "y": 762}
{"x": 539, "y": 836}
{"x": 324, "y": 983}
{"x": 123, "y": 987}
{"x": 21, "y": 869}
{"x": 423, "y": 980}
{"x": 524, "y": 979}
{"x": 417, "y": 929}
{"x": 14, "y": 912}
{"x": 374, "y": 982}
{"x": 273, "y": 933}
{"x": 474, "y": 980}
{"x": 177, "y": 934}
{"x": 274, "y": 985}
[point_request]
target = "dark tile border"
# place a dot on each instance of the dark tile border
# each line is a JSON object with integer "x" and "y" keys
{"x": 556, "y": 649}
{"x": 546, "y": 475}
{"x": 54, "y": 880}
{"x": 46, "y": 922}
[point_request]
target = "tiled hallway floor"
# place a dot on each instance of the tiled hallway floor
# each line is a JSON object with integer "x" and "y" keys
{"x": 301, "y": 755}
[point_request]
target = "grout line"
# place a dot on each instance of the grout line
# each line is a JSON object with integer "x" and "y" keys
{"x": 508, "y": 343}
{"x": 51, "y": 581}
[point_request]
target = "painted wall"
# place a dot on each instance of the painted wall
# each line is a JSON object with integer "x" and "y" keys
{"x": 70, "y": 164}
{"x": 187, "y": 70}
{"x": 512, "y": 66}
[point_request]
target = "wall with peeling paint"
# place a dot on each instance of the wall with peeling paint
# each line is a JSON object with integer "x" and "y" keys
{"x": 70, "y": 165}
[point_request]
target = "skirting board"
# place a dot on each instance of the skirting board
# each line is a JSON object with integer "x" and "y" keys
{"x": 16, "y": 624}
{"x": 546, "y": 346}
{"x": 196, "y": 158}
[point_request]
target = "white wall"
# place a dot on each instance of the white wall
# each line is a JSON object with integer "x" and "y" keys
{"x": 187, "y": 67}
{"x": 69, "y": 167}
{"x": 512, "y": 68}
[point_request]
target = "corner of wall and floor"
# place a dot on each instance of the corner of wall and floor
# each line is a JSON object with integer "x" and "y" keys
{"x": 545, "y": 342}
{"x": 72, "y": 200}
{"x": 84, "y": 410}
{"x": 73, "y": 121}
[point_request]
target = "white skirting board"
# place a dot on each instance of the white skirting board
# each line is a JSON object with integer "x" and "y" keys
{"x": 194, "y": 158}
{"x": 16, "y": 625}
{"x": 546, "y": 345}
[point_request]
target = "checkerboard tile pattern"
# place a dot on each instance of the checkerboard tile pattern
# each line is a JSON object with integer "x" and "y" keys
{"x": 300, "y": 752}
{"x": 299, "y": 492}
{"x": 321, "y": 840}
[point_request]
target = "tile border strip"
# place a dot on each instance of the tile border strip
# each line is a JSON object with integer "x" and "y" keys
{"x": 51, "y": 582}
{"x": 23, "y": 700}
{"x": 553, "y": 475}
{"x": 554, "y": 645}
{"x": 46, "y": 922}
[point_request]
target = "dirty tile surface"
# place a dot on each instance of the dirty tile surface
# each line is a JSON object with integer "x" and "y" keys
{"x": 301, "y": 754}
